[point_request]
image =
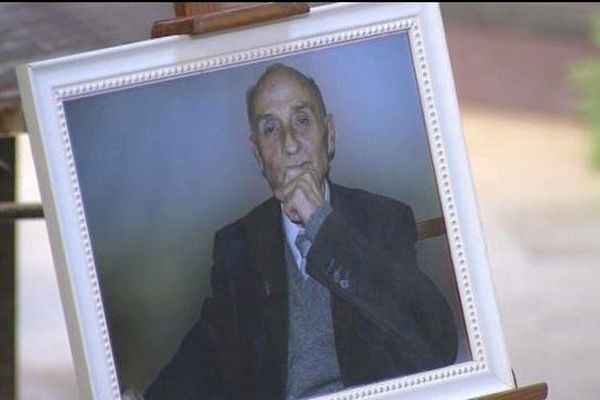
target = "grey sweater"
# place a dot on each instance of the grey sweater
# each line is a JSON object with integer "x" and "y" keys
{"x": 312, "y": 359}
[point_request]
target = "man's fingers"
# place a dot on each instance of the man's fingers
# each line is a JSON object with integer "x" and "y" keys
{"x": 292, "y": 173}
{"x": 301, "y": 194}
{"x": 307, "y": 175}
{"x": 310, "y": 191}
{"x": 298, "y": 189}
{"x": 305, "y": 187}
{"x": 301, "y": 201}
{"x": 290, "y": 211}
{"x": 303, "y": 197}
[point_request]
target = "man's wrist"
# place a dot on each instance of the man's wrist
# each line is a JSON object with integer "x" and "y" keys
{"x": 316, "y": 220}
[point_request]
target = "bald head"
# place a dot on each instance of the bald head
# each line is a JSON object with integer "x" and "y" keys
{"x": 269, "y": 79}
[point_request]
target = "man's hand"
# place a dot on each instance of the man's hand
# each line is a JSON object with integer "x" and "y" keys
{"x": 302, "y": 194}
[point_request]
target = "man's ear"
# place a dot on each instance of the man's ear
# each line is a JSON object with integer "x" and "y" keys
{"x": 256, "y": 152}
{"x": 330, "y": 126}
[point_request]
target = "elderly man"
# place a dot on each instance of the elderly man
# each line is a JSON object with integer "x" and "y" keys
{"x": 315, "y": 290}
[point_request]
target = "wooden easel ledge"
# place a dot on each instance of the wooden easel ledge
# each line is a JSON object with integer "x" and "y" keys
{"x": 534, "y": 392}
{"x": 227, "y": 19}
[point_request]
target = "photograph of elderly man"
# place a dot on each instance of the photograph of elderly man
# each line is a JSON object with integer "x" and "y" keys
{"x": 317, "y": 289}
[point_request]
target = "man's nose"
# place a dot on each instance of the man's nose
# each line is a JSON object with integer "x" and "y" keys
{"x": 290, "y": 142}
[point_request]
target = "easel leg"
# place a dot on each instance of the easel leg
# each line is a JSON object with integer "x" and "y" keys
{"x": 7, "y": 273}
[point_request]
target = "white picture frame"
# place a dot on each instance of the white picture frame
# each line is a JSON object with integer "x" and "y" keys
{"x": 46, "y": 86}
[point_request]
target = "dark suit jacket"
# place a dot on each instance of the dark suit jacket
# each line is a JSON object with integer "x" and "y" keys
{"x": 389, "y": 318}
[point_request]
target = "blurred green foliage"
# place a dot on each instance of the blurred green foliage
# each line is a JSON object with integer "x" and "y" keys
{"x": 586, "y": 75}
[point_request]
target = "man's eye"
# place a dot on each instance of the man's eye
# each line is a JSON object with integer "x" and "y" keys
{"x": 302, "y": 120}
{"x": 270, "y": 128}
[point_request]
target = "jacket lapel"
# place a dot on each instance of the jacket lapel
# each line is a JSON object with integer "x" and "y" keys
{"x": 264, "y": 236}
{"x": 342, "y": 312}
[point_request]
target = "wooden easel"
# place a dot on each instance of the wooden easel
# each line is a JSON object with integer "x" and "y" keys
{"x": 199, "y": 18}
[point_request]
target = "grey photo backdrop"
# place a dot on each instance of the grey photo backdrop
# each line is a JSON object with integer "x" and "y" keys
{"x": 162, "y": 166}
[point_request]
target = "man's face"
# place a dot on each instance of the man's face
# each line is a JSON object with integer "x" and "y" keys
{"x": 290, "y": 131}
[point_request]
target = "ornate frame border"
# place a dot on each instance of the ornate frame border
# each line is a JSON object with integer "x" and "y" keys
{"x": 46, "y": 85}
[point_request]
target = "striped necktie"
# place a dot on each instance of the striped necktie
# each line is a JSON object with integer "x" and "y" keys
{"x": 303, "y": 244}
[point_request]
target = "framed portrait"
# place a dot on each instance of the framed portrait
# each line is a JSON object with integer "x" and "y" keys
{"x": 280, "y": 211}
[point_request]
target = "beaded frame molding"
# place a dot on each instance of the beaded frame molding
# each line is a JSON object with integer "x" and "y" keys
{"x": 46, "y": 85}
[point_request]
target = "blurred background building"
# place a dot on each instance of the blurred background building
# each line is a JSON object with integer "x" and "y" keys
{"x": 530, "y": 154}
